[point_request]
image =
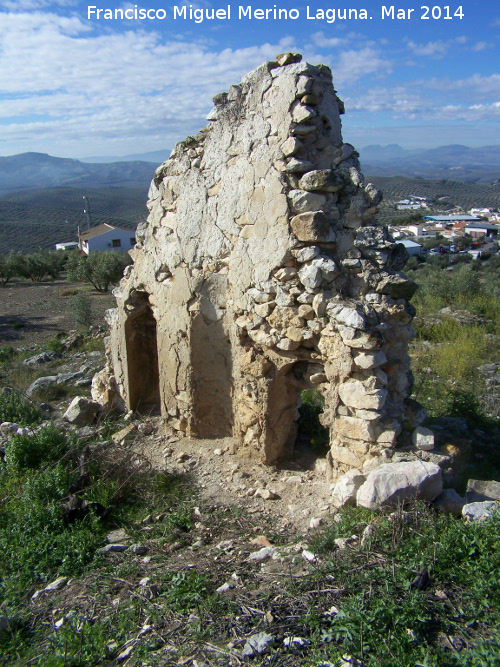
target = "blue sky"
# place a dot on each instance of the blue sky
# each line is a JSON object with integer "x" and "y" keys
{"x": 76, "y": 87}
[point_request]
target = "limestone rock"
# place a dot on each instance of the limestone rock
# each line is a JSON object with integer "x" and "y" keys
{"x": 479, "y": 511}
{"x": 356, "y": 395}
{"x": 423, "y": 438}
{"x": 123, "y": 434}
{"x": 355, "y": 428}
{"x": 306, "y": 254}
{"x": 262, "y": 554}
{"x": 346, "y": 488}
{"x": 41, "y": 383}
{"x": 325, "y": 180}
{"x": 82, "y": 412}
{"x": 57, "y": 584}
{"x": 257, "y": 644}
{"x": 367, "y": 360}
{"x": 42, "y": 358}
{"x": 295, "y": 166}
{"x": 302, "y": 201}
{"x": 480, "y": 490}
{"x": 350, "y": 317}
{"x": 9, "y": 428}
{"x": 395, "y": 483}
{"x": 288, "y": 58}
{"x": 312, "y": 226}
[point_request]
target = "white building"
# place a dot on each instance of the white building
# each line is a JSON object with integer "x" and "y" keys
{"x": 408, "y": 205}
{"x": 106, "y": 237}
{"x": 412, "y": 248}
{"x": 421, "y": 231}
{"x": 70, "y": 245}
{"x": 483, "y": 212}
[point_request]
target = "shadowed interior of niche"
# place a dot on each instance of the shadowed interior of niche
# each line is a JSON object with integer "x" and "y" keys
{"x": 142, "y": 357}
{"x": 311, "y": 434}
{"x": 294, "y": 408}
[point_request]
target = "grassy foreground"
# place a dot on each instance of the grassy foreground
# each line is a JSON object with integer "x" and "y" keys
{"x": 364, "y": 597}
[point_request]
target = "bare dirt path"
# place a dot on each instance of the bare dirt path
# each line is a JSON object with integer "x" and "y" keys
{"x": 298, "y": 489}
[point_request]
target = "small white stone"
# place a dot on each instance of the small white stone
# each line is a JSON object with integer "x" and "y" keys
{"x": 423, "y": 439}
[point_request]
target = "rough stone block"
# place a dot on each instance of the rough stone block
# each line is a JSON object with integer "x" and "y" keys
{"x": 354, "y": 428}
{"x": 423, "y": 438}
{"x": 392, "y": 484}
{"x": 346, "y": 488}
{"x": 83, "y": 412}
{"x": 311, "y": 226}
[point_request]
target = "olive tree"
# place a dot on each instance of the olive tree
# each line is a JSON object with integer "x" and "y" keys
{"x": 100, "y": 268}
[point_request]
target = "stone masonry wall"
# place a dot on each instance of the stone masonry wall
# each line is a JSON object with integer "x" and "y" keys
{"x": 261, "y": 272}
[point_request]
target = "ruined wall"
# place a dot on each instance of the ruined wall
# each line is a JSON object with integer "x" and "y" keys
{"x": 261, "y": 272}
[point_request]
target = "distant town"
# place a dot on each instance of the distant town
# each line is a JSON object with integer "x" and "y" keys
{"x": 462, "y": 231}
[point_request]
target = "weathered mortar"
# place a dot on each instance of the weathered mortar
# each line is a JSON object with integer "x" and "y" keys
{"x": 261, "y": 272}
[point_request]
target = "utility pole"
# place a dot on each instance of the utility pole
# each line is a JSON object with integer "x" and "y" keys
{"x": 86, "y": 210}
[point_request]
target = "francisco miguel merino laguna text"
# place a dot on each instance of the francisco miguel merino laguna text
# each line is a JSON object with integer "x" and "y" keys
{"x": 274, "y": 13}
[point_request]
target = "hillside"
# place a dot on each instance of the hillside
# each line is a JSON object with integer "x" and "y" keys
{"x": 40, "y": 218}
{"x": 456, "y": 162}
{"x": 28, "y": 171}
{"x": 446, "y": 193}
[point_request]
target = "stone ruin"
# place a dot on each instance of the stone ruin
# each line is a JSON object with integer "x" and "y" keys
{"x": 261, "y": 272}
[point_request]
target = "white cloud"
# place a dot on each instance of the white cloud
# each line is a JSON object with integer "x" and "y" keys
{"x": 473, "y": 112}
{"x": 482, "y": 46}
{"x": 412, "y": 102}
{"x": 320, "y": 40}
{"x": 477, "y": 85}
{"x": 73, "y": 86}
{"x": 435, "y": 49}
{"x": 352, "y": 65}
{"x": 24, "y": 5}
{"x": 398, "y": 101}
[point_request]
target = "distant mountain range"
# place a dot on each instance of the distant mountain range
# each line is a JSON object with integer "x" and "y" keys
{"x": 28, "y": 171}
{"x": 454, "y": 162}
{"x": 158, "y": 157}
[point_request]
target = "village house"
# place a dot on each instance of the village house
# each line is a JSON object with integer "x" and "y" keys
{"x": 106, "y": 237}
{"x": 482, "y": 212}
{"x": 421, "y": 231}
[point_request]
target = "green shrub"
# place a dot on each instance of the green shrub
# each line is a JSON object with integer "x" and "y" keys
{"x": 309, "y": 424}
{"x": 14, "y": 407}
{"x": 55, "y": 345}
{"x": 7, "y": 352}
{"x": 35, "y": 541}
{"x": 80, "y": 306}
{"x": 30, "y": 451}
